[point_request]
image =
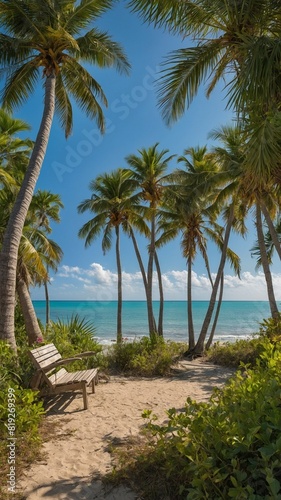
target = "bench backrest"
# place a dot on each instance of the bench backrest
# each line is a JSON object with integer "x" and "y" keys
{"x": 44, "y": 356}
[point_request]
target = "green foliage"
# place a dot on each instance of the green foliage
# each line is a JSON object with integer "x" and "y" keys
{"x": 28, "y": 409}
{"x": 234, "y": 353}
{"x": 145, "y": 357}
{"x": 19, "y": 408}
{"x": 229, "y": 447}
{"x": 74, "y": 336}
{"x": 271, "y": 328}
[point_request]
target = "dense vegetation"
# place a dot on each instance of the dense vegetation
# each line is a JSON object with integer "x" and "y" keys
{"x": 227, "y": 448}
{"x": 231, "y": 446}
{"x": 211, "y": 196}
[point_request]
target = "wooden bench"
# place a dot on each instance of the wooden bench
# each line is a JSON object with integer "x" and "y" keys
{"x": 47, "y": 359}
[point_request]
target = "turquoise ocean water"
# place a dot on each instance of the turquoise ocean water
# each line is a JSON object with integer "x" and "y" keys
{"x": 238, "y": 319}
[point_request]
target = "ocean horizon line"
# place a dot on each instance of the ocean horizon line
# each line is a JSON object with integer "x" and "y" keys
{"x": 237, "y": 319}
{"x": 142, "y": 300}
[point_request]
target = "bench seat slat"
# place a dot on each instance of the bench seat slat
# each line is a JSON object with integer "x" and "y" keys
{"x": 82, "y": 376}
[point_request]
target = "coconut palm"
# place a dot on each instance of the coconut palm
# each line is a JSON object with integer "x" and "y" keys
{"x": 34, "y": 247}
{"x": 236, "y": 41}
{"x": 148, "y": 169}
{"x": 48, "y": 40}
{"x": 232, "y": 204}
{"x": 264, "y": 196}
{"x": 30, "y": 270}
{"x": 45, "y": 208}
{"x": 188, "y": 211}
{"x": 37, "y": 252}
{"x": 265, "y": 264}
{"x": 111, "y": 201}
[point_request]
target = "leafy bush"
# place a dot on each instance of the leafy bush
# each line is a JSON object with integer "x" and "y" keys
{"x": 271, "y": 328}
{"x": 234, "y": 353}
{"x": 74, "y": 336}
{"x": 227, "y": 448}
{"x": 19, "y": 408}
{"x": 145, "y": 357}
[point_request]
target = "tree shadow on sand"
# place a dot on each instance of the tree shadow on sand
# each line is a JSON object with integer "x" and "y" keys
{"x": 81, "y": 488}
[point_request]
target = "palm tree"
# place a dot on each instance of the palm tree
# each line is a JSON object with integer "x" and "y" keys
{"x": 36, "y": 251}
{"x": 111, "y": 202}
{"x": 236, "y": 41}
{"x": 188, "y": 210}
{"x": 48, "y": 39}
{"x": 265, "y": 264}
{"x": 34, "y": 247}
{"x": 232, "y": 203}
{"x": 45, "y": 207}
{"x": 148, "y": 169}
{"x": 264, "y": 251}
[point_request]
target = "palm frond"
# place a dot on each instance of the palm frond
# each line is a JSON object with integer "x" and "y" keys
{"x": 184, "y": 71}
{"x": 85, "y": 90}
{"x": 84, "y": 13}
{"x": 92, "y": 229}
{"x": 98, "y": 48}
{"x": 20, "y": 84}
{"x": 63, "y": 106}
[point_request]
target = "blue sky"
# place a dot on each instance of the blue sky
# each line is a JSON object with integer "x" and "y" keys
{"x": 133, "y": 122}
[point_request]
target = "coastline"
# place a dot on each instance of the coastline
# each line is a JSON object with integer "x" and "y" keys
{"x": 238, "y": 319}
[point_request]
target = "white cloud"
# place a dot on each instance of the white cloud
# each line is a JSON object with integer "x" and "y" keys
{"x": 98, "y": 283}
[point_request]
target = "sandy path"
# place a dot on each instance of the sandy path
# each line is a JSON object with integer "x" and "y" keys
{"x": 76, "y": 460}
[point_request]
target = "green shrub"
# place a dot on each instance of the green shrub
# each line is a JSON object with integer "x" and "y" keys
{"x": 74, "y": 336}
{"x": 234, "y": 353}
{"x": 20, "y": 414}
{"x": 271, "y": 328}
{"x": 145, "y": 357}
{"x": 227, "y": 448}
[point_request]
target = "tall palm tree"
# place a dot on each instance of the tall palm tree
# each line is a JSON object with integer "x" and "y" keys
{"x": 265, "y": 264}
{"x": 236, "y": 42}
{"x": 35, "y": 252}
{"x": 232, "y": 203}
{"x": 34, "y": 247}
{"x": 111, "y": 201}
{"x": 48, "y": 40}
{"x": 188, "y": 211}
{"x": 148, "y": 169}
{"x": 45, "y": 207}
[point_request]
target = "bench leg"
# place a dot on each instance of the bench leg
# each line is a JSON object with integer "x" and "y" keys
{"x": 85, "y": 397}
{"x": 93, "y": 386}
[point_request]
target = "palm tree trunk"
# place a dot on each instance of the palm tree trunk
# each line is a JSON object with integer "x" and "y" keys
{"x": 13, "y": 233}
{"x": 47, "y": 303}
{"x": 210, "y": 339}
{"x": 142, "y": 270}
{"x": 151, "y": 322}
{"x": 119, "y": 272}
{"x": 191, "y": 337}
{"x": 161, "y": 296}
{"x": 138, "y": 255}
{"x": 265, "y": 264}
{"x": 199, "y": 348}
{"x": 271, "y": 228}
{"x": 30, "y": 320}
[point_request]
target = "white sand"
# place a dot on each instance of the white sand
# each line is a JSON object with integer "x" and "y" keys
{"x": 77, "y": 457}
